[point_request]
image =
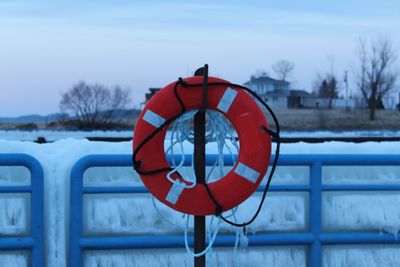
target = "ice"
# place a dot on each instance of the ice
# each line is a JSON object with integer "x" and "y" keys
{"x": 109, "y": 176}
{"x": 280, "y": 256}
{"x": 13, "y": 214}
{"x": 361, "y": 174}
{"x": 14, "y": 259}
{"x": 285, "y": 212}
{"x": 15, "y": 175}
{"x": 362, "y": 256}
{"x": 134, "y": 214}
{"x": 362, "y": 211}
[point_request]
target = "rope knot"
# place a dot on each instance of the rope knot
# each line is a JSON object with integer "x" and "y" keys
{"x": 182, "y": 82}
{"x": 218, "y": 210}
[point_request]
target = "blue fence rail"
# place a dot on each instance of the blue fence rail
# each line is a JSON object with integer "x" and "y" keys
{"x": 314, "y": 238}
{"x": 35, "y": 241}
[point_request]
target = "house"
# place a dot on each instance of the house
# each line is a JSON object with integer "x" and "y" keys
{"x": 152, "y": 91}
{"x": 264, "y": 84}
{"x": 274, "y": 92}
{"x": 277, "y": 93}
{"x": 299, "y": 98}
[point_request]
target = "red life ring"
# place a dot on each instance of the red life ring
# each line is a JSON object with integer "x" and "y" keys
{"x": 254, "y": 153}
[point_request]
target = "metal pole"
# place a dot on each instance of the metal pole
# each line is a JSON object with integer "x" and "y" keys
{"x": 200, "y": 168}
{"x": 347, "y": 89}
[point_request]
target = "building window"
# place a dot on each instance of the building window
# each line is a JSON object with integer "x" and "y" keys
{"x": 274, "y": 98}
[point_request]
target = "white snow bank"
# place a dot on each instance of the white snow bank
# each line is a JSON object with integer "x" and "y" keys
{"x": 286, "y": 212}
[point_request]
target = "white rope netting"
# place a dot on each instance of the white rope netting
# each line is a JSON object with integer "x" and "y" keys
{"x": 221, "y": 140}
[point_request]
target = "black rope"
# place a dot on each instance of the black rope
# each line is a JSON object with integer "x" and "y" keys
{"x": 218, "y": 207}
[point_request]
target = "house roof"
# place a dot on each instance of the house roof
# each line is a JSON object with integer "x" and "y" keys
{"x": 277, "y": 93}
{"x": 154, "y": 89}
{"x": 300, "y": 93}
{"x": 265, "y": 79}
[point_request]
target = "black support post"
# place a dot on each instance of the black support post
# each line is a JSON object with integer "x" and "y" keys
{"x": 200, "y": 168}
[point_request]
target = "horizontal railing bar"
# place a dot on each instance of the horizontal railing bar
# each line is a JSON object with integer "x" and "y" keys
{"x": 273, "y": 188}
{"x": 359, "y": 238}
{"x": 361, "y": 187}
{"x": 13, "y": 243}
{"x": 15, "y": 189}
{"x": 142, "y": 189}
{"x": 114, "y": 189}
{"x": 174, "y": 241}
{"x": 125, "y": 160}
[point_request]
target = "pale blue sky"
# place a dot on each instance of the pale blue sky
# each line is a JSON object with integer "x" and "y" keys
{"x": 46, "y": 46}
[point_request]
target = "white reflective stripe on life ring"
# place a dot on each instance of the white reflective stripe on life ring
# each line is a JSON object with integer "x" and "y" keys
{"x": 153, "y": 118}
{"x": 174, "y": 193}
{"x": 247, "y": 172}
{"x": 227, "y": 99}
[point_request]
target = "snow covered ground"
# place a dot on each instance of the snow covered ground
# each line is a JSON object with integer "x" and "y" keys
{"x": 120, "y": 214}
{"x": 18, "y": 135}
{"x": 50, "y": 135}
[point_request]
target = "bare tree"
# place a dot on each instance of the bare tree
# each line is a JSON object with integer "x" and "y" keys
{"x": 93, "y": 105}
{"x": 375, "y": 75}
{"x": 283, "y": 69}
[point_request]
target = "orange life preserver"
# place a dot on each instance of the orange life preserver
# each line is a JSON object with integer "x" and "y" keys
{"x": 254, "y": 152}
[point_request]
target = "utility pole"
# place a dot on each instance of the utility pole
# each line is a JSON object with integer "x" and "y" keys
{"x": 346, "y": 81}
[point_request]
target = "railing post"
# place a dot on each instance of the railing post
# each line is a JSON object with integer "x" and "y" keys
{"x": 76, "y": 214}
{"x": 315, "y": 214}
{"x": 37, "y": 213}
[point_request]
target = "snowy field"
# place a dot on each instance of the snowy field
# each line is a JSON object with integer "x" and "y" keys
{"x": 122, "y": 214}
{"x": 49, "y": 135}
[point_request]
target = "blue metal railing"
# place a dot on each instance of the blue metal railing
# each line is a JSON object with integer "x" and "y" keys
{"x": 314, "y": 238}
{"x": 35, "y": 241}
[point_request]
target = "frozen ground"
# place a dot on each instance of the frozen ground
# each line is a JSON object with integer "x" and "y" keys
{"x": 120, "y": 214}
